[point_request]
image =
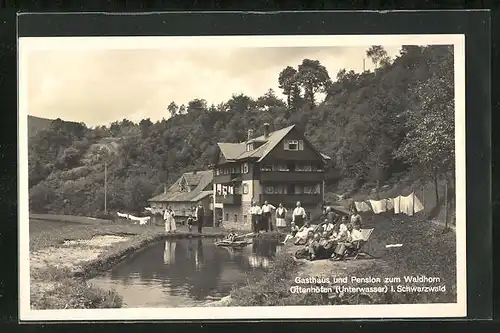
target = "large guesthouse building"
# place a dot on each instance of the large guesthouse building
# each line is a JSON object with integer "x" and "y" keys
{"x": 278, "y": 167}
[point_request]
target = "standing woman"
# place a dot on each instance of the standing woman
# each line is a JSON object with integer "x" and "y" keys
{"x": 280, "y": 217}
{"x": 299, "y": 215}
{"x": 356, "y": 219}
{"x": 169, "y": 220}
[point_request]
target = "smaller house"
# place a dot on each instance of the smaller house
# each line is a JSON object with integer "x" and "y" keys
{"x": 185, "y": 194}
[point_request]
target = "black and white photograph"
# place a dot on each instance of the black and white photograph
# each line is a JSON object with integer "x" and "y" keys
{"x": 242, "y": 177}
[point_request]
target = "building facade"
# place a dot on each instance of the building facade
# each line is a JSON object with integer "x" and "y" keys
{"x": 278, "y": 167}
{"x": 185, "y": 194}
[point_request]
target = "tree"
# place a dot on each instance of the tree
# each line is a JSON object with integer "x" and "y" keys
{"x": 429, "y": 143}
{"x": 378, "y": 55}
{"x": 173, "y": 109}
{"x": 269, "y": 100}
{"x": 240, "y": 103}
{"x": 313, "y": 78}
{"x": 145, "y": 126}
{"x": 287, "y": 81}
{"x": 70, "y": 158}
{"x": 197, "y": 105}
{"x": 182, "y": 109}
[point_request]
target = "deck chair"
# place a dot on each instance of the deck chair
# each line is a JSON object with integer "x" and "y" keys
{"x": 359, "y": 245}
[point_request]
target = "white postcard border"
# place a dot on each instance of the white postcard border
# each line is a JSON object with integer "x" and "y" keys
{"x": 394, "y": 311}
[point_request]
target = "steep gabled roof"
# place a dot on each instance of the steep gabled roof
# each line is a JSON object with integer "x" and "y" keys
{"x": 199, "y": 179}
{"x": 231, "y": 151}
{"x": 237, "y": 151}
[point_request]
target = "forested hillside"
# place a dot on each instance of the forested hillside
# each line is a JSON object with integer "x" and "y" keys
{"x": 397, "y": 119}
{"x": 36, "y": 124}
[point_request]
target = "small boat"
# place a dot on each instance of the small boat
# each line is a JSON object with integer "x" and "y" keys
{"x": 233, "y": 243}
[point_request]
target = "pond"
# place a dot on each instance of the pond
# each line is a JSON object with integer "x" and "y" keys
{"x": 185, "y": 272}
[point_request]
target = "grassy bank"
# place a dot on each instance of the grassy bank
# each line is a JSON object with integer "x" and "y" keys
{"x": 427, "y": 250}
{"x": 64, "y": 254}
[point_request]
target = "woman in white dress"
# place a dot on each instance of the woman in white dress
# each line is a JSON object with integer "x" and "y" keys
{"x": 280, "y": 217}
{"x": 169, "y": 220}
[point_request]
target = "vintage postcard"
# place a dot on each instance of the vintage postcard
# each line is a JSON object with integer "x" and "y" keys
{"x": 242, "y": 177}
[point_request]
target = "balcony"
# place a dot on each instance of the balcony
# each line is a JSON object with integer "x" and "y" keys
{"x": 225, "y": 179}
{"x": 229, "y": 199}
{"x": 289, "y": 200}
{"x": 292, "y": 176}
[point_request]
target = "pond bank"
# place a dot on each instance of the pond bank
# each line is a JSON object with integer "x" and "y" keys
{"x": 428, "y": 250}
{"x": 64, "y": 256}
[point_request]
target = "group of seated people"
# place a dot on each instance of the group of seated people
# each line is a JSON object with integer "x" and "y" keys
{"x": 329, "y": 240}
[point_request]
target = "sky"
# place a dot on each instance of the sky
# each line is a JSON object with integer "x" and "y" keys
{"x": 98, "y": 86}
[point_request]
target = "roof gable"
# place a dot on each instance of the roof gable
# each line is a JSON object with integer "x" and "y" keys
{"x": 201, "y": 180}
{"x": 299, "y": 135}
{"x": 237, "y": 151}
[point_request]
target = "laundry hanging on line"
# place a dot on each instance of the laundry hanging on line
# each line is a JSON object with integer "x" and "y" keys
{"x": 362, "y": 206}
{"x": 379, "y": 206}
{"x": 408, "y": 205}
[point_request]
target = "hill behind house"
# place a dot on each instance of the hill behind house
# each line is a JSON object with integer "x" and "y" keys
{"x": 370, "y": 124}
{"x": 35, "y": 124}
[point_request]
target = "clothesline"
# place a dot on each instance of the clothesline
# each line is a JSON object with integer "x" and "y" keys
{"x": 408, "y": 205}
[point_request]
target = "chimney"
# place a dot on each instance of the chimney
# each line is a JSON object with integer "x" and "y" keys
{"x": 164, "y": 189}
{"x": 266, "y": 130}
{"x": 250, "y": 134}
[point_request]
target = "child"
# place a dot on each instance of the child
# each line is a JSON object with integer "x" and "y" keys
{"x": 190, "y": 221}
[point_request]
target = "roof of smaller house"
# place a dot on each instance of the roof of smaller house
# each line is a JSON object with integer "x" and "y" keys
{"x": 198, "y": 179}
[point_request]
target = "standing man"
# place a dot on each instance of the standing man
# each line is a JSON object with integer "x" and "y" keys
{"x": 200, "y": 215}
{"x": 255, "y": 212}
{"x": 267, "y": 210}
{"x": 299, "y": 215}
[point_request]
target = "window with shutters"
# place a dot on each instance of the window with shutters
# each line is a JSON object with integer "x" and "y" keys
{"x": 291, "y": 145}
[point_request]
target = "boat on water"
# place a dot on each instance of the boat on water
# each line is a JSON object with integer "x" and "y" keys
{"x": 238, "y": 243}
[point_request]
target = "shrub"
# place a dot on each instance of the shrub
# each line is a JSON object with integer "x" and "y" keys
{"x": 77, "y": 294}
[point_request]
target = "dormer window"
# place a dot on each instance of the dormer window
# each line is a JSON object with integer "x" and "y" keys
{"x": 250, "y": 146}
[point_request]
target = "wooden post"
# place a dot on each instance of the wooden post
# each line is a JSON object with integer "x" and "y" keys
{"x": 413, "y": 203}
{"x": 423, "y": 198}
{"x": 446, "y": 204}
{"x": 105, "y": 187}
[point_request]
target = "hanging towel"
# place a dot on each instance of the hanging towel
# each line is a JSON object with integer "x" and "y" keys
{"x": 397, "y": 204}
{"x": 362, "y": 207}
{"x": 389, "y": 204}
{"x": 417, "y": 205}
{"x": 378, "y": 206}
{"x": 406, "y": 205}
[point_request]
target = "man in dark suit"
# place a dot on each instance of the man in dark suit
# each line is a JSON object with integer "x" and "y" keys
{"x": 200, "y": 215}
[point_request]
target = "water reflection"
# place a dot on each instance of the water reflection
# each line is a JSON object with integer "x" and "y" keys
{"x": 185, "y": 272}
{"x": 169, "y": 253}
